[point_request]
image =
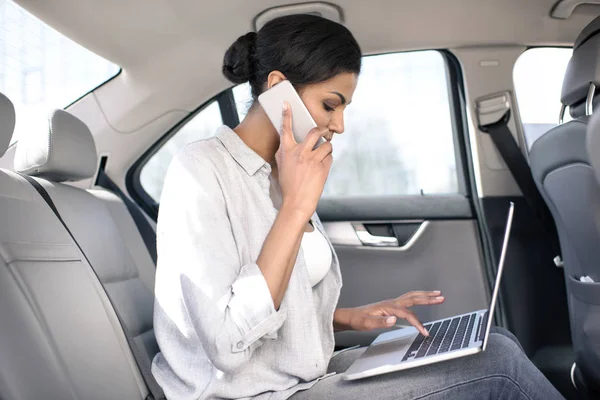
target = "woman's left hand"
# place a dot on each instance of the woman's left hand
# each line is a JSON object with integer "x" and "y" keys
{"x": 385, "y": 313}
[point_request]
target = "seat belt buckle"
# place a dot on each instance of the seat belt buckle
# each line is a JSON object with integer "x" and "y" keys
{"x": 559, "y": 262}
{"x": 492, "y": 110}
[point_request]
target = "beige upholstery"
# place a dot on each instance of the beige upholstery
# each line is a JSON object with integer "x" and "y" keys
{"x": 61, "y": 338}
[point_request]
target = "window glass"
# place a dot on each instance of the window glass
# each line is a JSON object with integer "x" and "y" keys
{"x": 243, "y": 99}
{"x": 202, "y": 126}
{"x": 40, "y": 69}
{"x": 399, "y": 137}
{"x": 538, "y": 77}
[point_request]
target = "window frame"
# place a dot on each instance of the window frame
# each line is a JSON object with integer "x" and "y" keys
{"x": 133, "y": 183}
{"x": 94, "y": 89}
{"x": 79, "y": 99}
{"x": 226, "y": 101}
{"x": 460, "y": 132}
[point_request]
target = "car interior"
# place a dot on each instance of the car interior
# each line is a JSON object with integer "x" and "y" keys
{"x": 461, "y": 108}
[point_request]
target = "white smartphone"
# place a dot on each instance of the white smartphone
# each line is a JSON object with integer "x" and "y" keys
{"x": 272, "y": 102}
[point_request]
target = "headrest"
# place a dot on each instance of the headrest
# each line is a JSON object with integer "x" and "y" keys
{"x": 64, "y": 152}
{"x": 584, "y": 66}
{"x": 593, "y": 143}
{"x": 578, "y": 110}
{"x": 7, "y": 123}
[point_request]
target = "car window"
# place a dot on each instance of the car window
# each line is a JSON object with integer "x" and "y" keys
{"x": 202, "y": 126}
{"x": 243, "y": 99}
{"x": 33, "y": 71}
{"x": 399, "y": 137}
{"x": 538, "y": 77}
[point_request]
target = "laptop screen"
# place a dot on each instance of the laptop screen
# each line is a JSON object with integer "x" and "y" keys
{"x": 490, "y": 314}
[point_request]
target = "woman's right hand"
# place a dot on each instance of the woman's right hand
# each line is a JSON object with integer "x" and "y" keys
{"x": 302, "y": 170}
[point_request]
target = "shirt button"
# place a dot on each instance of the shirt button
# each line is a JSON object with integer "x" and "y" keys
{"x": 240, "y": 345}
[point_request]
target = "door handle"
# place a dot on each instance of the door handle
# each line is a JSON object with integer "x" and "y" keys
{"x": 370, "y": 240}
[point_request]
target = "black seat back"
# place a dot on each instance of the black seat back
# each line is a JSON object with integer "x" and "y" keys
{"x": 565, "y": 177}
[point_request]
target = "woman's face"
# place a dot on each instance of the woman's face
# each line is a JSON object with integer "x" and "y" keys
{"x": 327, "y": 100}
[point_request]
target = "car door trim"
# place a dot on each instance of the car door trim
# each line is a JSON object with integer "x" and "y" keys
{"x": 347, "y": 234}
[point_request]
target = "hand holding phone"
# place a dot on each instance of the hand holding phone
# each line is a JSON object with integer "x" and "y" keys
{"x": 302, "y": 170}
{"x": 272, "y": 102}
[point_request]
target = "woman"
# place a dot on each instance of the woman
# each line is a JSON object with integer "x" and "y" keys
{"x": 247, "y": 283}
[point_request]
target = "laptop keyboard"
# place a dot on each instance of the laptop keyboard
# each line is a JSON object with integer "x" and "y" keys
{"x": 447, "y": 335}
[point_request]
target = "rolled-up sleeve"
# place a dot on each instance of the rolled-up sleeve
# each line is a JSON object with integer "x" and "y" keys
{"x": 228, "y": 304}
{"x": 251, "y": 308}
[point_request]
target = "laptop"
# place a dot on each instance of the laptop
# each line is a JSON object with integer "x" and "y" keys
{"x": 449, "y": 338}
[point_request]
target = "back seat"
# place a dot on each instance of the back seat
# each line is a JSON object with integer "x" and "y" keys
{"x": 60, "y": 336}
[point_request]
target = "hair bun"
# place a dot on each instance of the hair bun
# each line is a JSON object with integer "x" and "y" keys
{"x": 238, "y": 62}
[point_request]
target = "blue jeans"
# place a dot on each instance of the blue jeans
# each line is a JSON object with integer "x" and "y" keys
{"x": 503, "y": 371}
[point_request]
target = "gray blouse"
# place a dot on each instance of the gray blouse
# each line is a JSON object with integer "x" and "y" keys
{"x": 214, "y": 319}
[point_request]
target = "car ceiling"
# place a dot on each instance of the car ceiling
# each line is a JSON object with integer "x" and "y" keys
{"x": 171, "y": 50}
{"x": 134, "y": 32}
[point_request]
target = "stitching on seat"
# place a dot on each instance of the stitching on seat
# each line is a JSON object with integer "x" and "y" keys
{"x": 567, "y": 163}
{"x": 121, "y": 280}
{"x": 144, "y": 332}
{"x": 39, "y": 317}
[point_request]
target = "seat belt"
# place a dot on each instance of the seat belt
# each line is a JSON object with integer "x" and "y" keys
{"x": 519, "y": 167}
{"x": 146, "y": 231}
{"x": 141, "y": 358}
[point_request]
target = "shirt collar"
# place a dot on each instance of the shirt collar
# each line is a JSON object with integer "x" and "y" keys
{"x": 241, "y": 153}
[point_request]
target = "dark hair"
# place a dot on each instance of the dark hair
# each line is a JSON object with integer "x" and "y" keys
{"x": 305, "y": 48}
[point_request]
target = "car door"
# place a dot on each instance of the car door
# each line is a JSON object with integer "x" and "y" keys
{"x": 396, "y": 206}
